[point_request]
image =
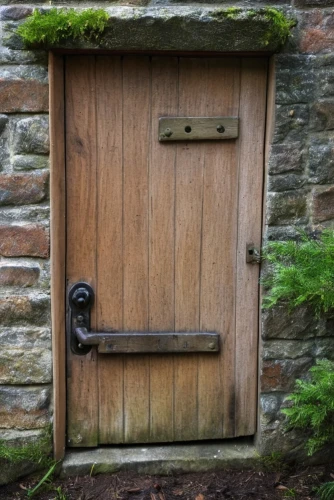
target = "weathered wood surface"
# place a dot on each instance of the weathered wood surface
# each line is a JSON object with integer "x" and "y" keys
{"x": 157, "y": 230}
{"x": 201, "y": 128}
{"x": 137, "y": 342}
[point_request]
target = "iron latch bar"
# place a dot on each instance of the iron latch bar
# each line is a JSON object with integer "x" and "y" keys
{"x": 81, "y": 299}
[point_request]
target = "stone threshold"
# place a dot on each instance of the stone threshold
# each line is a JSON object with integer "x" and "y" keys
{"x": 162, "y": 459}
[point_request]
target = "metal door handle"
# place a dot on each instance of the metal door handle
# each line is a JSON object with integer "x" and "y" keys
{"x": 81, "y": 300}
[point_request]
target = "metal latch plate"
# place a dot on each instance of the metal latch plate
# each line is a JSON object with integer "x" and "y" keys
{"x": 197, "y": 129}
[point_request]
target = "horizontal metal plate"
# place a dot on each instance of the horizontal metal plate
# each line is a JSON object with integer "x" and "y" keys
{"x": 137, "y": 342}
{"x": 198, "y": 129}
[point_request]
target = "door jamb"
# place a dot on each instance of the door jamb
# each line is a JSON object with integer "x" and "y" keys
{"x": 58, "y": 248}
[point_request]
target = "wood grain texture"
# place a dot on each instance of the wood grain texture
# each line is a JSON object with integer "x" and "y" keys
{"x": 193, "y": 74}
{"x": 58, "y": 249}
{"x": 195, "y": 129}
{"x": 253, "y": 90}
{"x": 82, "y": 397}
{"x": 218, "y": 267}
{"x": 136, "y": 137}
{"x": 109, "y": 283}
{"x": 159, "y": 230}
{"x": 164, "y": 100}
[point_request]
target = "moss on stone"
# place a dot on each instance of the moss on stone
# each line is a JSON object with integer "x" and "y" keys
{"x": 280, "y": 26}
{"x": 56, "y": 25}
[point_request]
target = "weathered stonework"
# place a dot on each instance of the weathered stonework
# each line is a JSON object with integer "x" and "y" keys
{"x": 300, "y": 192}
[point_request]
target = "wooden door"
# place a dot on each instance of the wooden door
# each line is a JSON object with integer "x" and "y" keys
{"x": 159, "y": 230}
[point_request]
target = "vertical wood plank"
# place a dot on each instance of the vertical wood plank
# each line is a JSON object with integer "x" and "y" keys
{"x": 82, "y": 395}
{"x": 188, "y": 219}
{"x": 136, "y": 143}
{"x": 161, "y": 246}
{"x": 252, "y": 111}
{"x": 109, "y": 288}
{"x": 58, "y": 249}
{"x": 216, "y": 378}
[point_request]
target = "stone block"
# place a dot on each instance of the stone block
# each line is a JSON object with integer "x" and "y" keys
{"x": 23, "y": 89}
{"x": 24, "y": 408}
{"x": 296, "y": 82}
{"x": 19, "y": 275}
{"x": 38, "y": 439}
{"x": 287, "y": 208}
{"x": 9, "y": 56}
{"x": 323, "y": 204}
{"x": 321, "y": 161}
{"x": 23, "y": 189}
{"x": 317, "y": 32}
{"x": 286, "y": 158}
{"x": 15, "y": 12}
{"x": 25, "y": 310}
{"x": 3, "y": 122}
{"x": 30, "y": 240}
{"x": 30, "y": 336}
{"x": 324, "y": 348}
{"x": 291, "y": 123}
{"x": 29, "y": 162}
{"x": 280, "y": 323}
{"x": 21, "y": 366}
{"x": 31, "y": 135}
{"x": 281, "y": 374}
{"x": 322, "y": 116}
{"x": 270, "y": 405}
{"x": 285, "y": 182}
{"x": 24, "y": 214}
{"x": 283, "y": 233}
{"x": 287, "y": 349}
{"x": 313, "y": 3}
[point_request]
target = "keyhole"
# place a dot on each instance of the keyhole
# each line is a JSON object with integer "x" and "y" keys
{"x": 187, "y": 129}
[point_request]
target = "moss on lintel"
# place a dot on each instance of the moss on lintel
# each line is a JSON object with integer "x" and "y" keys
{"x": 184, "y": 28}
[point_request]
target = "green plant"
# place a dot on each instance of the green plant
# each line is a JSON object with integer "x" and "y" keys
{"x": 290, "y": 493}
{"x": 38, "y": 453}
{"x": 326, "y": 491}
{"x": 46, "y": 479}
{"x": 55, "y": 25}
{"x": 272, "y": 463}
{"x": 280, "y": 26}
{"x": 313, "y": 406}
{"x": 301, "y": 272}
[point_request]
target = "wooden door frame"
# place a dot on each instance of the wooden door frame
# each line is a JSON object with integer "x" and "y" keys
{"x": 58, "y": 232}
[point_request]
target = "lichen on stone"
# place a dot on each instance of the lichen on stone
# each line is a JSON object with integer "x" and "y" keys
{"x": 56, "y": 25}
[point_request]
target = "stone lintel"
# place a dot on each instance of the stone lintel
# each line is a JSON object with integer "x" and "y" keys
{"x": 183, "y": 28}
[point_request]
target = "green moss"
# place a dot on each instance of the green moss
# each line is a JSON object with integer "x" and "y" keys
{"x": 56, "y": 25}
{"x": 38, "y": 453}
{"x": 230, "y": 13}
{"x": 280, "y": 26}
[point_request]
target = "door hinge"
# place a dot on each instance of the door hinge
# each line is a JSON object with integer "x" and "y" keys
{"x": 253, "y": 255}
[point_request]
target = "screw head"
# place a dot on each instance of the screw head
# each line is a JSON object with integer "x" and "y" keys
{"x": 212, "y": 345}
{"x": 80, "y": 318}
{"x": 220, "y": 129}
{"x": 168, "y": 132}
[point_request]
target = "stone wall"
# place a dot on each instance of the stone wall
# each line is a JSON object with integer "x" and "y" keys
{"x": 300, "y": 192}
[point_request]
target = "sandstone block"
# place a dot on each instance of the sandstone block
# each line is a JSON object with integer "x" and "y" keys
{"x": 24, "y": 408}
{"x": 286, "y": 208}
{"x": 29, "y": 336}
{"x": 25, "y": 310}
{"x": 317, "y": 32}
{"x": 323, "y": 204}
{"x": 23, "y": 189}
{"x": 31, "y": 135}
{"x": 286, "y": 158}
{"x": 29, "y": 162}
{"x": 18, "y": 275}
{"x": 24, "y": 90}
{"x": 30, "y": 240}
{"x": 9, "y": 56}
{"x": 21, "y": 366}
{"x": 280, "y": 375}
